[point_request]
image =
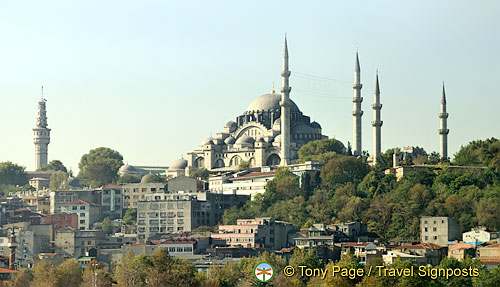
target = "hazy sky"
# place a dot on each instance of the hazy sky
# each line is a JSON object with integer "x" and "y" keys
{"x": 152, "y": 79}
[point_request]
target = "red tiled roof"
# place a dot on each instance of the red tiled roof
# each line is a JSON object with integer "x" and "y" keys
{"x": 460, "y": 245}
{"x": 496, "y": 245}
{"x": 419, "y": 246}
{"x": 256, "y": 174}
{"x": 5, "y": 270}
{"x": 179, "y": 242}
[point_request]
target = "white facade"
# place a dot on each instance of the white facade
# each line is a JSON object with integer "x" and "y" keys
{"x": 478, "y": 236}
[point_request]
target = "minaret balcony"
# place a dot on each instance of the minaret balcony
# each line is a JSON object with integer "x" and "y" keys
{"x": 377, "y": 106}
{"x": 443, "y": 131}
{"x": 357, "y": 113}
{"x": 377, "y": 123}
{"x": 357, "y": 86}
{"x": 443, "y": 115}
{"x": 357, "y": 99}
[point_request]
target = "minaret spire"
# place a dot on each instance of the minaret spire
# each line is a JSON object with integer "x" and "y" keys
{"x": 285, "y": 109}
{"x": 41, "y": 134}
{"x": 357, "y": 113}
{"x": 376, "y": 123}
{"x": 443, "y": 130}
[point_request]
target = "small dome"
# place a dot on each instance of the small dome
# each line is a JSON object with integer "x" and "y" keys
{"x": 261, "y": 139}
{"x": 73, "y": 182}
{"x": 127, "y": 167}
{"x": 230, "y": 124}
{"x": 209, "y": 140}
{"x": 270, "y": 102}
{"x": 229, "y": 140}
{"x": 315, "y": 125}
{"x": 148, "y": 178}
{"x": 245, "y": 140}
{"x": 178, "y": 164}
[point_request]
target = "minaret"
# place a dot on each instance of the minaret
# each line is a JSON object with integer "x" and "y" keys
{"x": 357, "y": 112}
{"x": 41, "y": 134}
{"x": 12, "y": 250}
{"x": 285, "y": 110}
{"x": 376, "y": 123}
{"x": 443, "y": 130}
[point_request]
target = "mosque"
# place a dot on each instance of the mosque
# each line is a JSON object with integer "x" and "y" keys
{"x": 269, "y": 133}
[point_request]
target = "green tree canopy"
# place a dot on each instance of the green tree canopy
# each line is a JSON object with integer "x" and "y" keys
{"x": 321, "y": 150}
{"x": 12, "y": 174}
{"x": 130, "y": 216}
{"x": 479, "y": 152}
{"x": 55, "y": 165}
{"x": 202, "y": 173}
{"x": 343, "y": 170}
{"x": 128, "y": 178}
{"x": 59, "y": 180}
{"x": 99, "y": 167}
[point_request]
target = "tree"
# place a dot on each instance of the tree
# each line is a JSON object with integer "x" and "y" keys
{"x": 99, "y": 167}
{"x": 202, "y": 173}
{"x": 22, "y": 278}
{"x": 54, "y": 165}
{"x": 95, "y": 275}
{"x": 342, "y": 170}
{"x": 69, "y": 273}
{"x": 244, "y": 165}
{"x": 128, "y": 178}
{"x": 44, "y": 274}
{"x": 226, "y": 275}
{"x": 321, "y": 150}
{"x": 130, "y": 216}
{"x": 168, "y": 271}
{"x": 12, "y": 174}
{"x": 132, "y": 270}
{"x": 59, "y": 181}
{"x": 106, "y": 225}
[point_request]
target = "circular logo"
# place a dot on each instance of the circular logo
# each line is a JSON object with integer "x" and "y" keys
{"x": 263, "y": 272}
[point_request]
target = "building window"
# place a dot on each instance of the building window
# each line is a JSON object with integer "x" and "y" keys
{"x": 142, "y": 222}
{"x": 180, "y": 214}
{"x": 82, "y": 207}
{"x": 82, "y": 214}
{"x": 188, "y": 249}
{"x": 74, "y": 208}
{"x": 425, "y": 229}
{"x": 82, "y": 221}
{"x": 180, "y": 205}
{"x": 171, "y": 249}
{"x": 180, "y": 221}
{"x": 179, "y": 249}
{"x": 180, "y": 228}
{"x": 434, "y": 229}
{"x": 142, "y": 215}
{"x": 435, "y": 237}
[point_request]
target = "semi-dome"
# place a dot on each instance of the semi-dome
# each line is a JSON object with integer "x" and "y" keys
{"x": 209, "y": 140}
{"x": 245, "y": 140}
{"x": 277, "y": 125}
{"x": 302, "y": 128}
{"x": 277, "y": 139}
{"x": 229, "y": 140}
{"x": 270, "y": 102}
{"x": 315, "y": 125}
{"x": 260, "y": 139}
{"x": 178, "y": 164}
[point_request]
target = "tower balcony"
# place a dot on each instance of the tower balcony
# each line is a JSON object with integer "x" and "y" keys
{"x": 357, "y": 99}
{"x": 443, "y": 115}
{"x": 357, "y": 86}
{"x": 377, "y": 106}
{"x": 443, "y": 131}
{"x": 357, "y": 113}
{"x": 377, "y": 123}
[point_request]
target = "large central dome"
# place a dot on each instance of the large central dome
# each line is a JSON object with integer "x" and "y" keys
{"x": 269, "y": 102}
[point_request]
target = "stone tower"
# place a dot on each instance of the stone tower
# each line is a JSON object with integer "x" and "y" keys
{"x": 285, "y": 110}
{"x": 443, "y": 128}
{"x": 357, "y": 112}
{"x": 12, "y": 250}
{"x": 376, "y": 123}
{"x": 41, "y": 135}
